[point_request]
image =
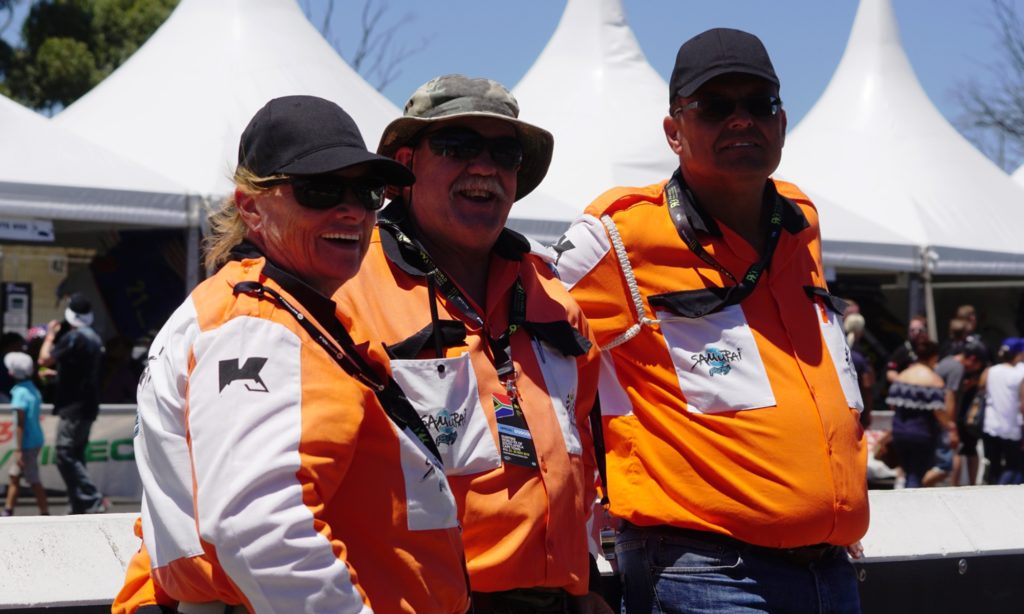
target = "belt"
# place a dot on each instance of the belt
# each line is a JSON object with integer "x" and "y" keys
{"x": 802, "y": 555}
{"x": 210, "y": 607}
{"x": 539, "y": 600}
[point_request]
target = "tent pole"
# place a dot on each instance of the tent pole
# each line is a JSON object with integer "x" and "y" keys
{"x": 192, "y": 245}
{"x": 928, "y": 258}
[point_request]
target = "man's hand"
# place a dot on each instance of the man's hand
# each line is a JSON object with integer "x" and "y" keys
{"x": 855, "y": 550}
{"x": 19, "y": 459}
{"x": 52, "y": 328}
{"x": 591, "y": 603}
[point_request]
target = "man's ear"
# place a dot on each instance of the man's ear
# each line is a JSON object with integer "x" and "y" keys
{"x": 672, "y": 133}
{"x": 404, "y": 156}
{"x": 247, "y": 209}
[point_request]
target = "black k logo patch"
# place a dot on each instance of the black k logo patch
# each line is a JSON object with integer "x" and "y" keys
{"x": 231, "y": 372}
{"x": 563, "y": 245}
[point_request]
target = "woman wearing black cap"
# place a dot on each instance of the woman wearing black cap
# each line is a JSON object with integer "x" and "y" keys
{"x": 279, "y": 462}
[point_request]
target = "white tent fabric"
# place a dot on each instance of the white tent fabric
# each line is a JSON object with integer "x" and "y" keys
{"x": 594, "y": 90}
{"x": 874, "y": 144}
{"x": 47, "y": 172}
{"x": 180, "y": 103}
{"x": 1018, "y": 175}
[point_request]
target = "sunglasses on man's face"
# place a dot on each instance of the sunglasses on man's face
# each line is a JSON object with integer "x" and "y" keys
{"x": 322, "y": 192}
{"x": 464, "y": 144}
{"x": 715, "y": 109}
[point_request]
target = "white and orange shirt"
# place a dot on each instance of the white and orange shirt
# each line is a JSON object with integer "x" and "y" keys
{"x": 743, "y": 421}
{"x": 272, "y": 477}
{"x": 522, "y": 527}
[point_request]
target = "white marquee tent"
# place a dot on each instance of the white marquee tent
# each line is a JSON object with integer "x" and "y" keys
{"x": 180, "y": 103}
{"x": 875, "y": 145}
{"x": 1018, "y": 175}
{"x": 48, "y": 173}
{"x": 594, "y": 90}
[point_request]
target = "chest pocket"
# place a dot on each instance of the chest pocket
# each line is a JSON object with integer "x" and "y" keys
{"x": 429, "y": 502}
{"x": 717, "y": 361}
{"x": 444, "y": 393}
{"x": 829, "y": 310}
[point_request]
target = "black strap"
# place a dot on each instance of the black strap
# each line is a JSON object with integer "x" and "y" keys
{"x": 597, "y": 432}
{"x": 452, "y": 334}
{"x": 835, "y": 303}
{"x": 701, "y": 302}
{"x": 344, "y": 353}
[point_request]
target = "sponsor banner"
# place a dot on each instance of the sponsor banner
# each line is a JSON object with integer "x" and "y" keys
{"x": 109, "y": 456}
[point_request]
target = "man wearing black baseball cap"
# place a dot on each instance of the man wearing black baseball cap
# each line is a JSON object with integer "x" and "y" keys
{"x": 283, "y": 471}
{"x": 729, "y": 398}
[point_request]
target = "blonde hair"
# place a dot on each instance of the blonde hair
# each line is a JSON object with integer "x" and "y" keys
{"x": 854, "y": 326}
{"x": 226, "y": 226}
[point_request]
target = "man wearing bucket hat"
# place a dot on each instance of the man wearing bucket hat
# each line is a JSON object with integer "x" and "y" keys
{"x": 735, "y": 456}
{"x": 493, "y": 353}
{"x": 283, "y": 470}
{"x": 76, "y": 351}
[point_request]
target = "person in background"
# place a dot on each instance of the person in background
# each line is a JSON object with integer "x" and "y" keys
{"x": 28, "y": 436}
{"x": 75, "y": 350}
{"x": 283, "y": 470}
{"x": 921, "y": 413}
{"x": 854, "y": 325}
{"x": 9, "y": 342}
{"x": 736, "y": 460}
{"x": 903, "y": 356}
{"x": 493, "y": 353}
{"x": 1003, "y": 387}
{"x": 973, "y": 357}
{"x": 956, "y": 336}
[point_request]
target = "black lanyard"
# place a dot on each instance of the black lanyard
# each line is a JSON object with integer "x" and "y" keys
{"x": 439, "y": 281}
{"x": 711, "y": 300}
{"x": 342, "y": 350}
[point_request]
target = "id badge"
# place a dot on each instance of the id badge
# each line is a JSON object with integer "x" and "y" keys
{"x": 513, "y": 432}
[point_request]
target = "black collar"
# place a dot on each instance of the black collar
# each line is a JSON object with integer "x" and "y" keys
{"x": 319, "y": 306}
{"x": 398, "y": 240}
{"x": 793, "y": 219}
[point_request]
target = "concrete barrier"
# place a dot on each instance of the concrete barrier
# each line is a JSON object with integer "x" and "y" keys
{"x": 928, "y": 550}
{"x": 65, "y": 562}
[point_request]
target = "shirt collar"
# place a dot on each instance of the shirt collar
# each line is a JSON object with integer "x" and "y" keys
{"x": 793, "y": 219}
{"x": 319, "y": 306}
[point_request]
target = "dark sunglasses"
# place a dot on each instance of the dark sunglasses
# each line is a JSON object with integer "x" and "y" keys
{"x": 464, "y": 144}
{"x": 714, "y": 109}
{"x": 322, "y": 192}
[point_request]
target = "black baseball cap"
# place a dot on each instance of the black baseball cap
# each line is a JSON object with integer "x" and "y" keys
{"x": 718, "y": 51}
{"x": 306, "y": 135}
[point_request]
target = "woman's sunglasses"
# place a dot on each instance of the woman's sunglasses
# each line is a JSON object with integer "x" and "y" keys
{"x": 464, "y": 144}
{"x": 715, "y": 109}
{"x": 323, "y": 192}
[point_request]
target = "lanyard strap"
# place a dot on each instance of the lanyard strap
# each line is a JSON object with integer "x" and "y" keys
{"x": 342, "y": 351}
{"x": 675, "y": 192}
{"x": 439, "y": 281}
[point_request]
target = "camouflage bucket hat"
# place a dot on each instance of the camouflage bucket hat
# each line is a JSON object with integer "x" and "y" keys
{"x": 453, "y": 96}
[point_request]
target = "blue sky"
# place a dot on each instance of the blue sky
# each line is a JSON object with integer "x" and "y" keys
{"x": 948, "y": 41}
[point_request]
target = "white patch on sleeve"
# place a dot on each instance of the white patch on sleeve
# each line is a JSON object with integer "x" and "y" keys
{"x": 429, "y": 502}
{"x": 839, "y": 350}
{"x": 246, "y": 424}
{"x": 161, "y": 451}
{"x": 580, "y": 249}
{"x": 614, "y": 400}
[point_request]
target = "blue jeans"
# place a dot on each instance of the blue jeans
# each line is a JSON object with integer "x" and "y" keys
{"x": 666, "y": 570}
